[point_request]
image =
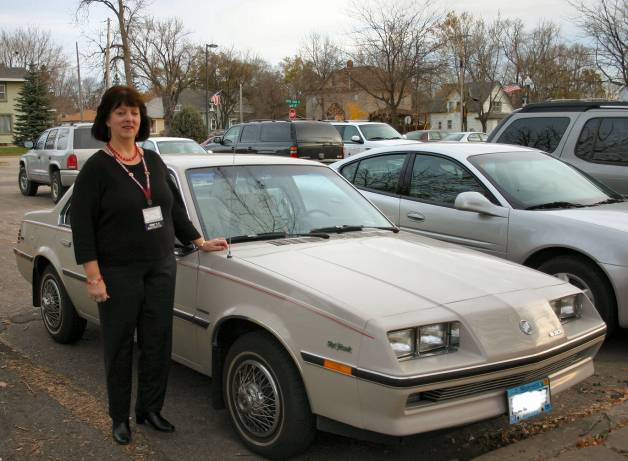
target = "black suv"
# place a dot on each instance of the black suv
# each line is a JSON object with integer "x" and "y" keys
{"x": 306, "y": 139}
{"x": 591, "y": 135}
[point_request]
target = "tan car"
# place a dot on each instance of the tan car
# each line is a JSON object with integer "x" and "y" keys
{"x": 324, "y": 316}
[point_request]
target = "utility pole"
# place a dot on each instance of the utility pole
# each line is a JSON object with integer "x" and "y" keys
{"x": 107, "y": 57}
{"x": 80, "y": 90}
{"x": 241, "y": 120}
{"x": 462, "y": 128}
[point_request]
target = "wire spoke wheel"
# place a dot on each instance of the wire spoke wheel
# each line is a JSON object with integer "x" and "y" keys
{"x": 256, "y": 398}
{"x": 51, "y": 304}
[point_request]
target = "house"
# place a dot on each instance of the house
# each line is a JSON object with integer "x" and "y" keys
{"x": 341, "y": 98}
{"x": 89, "y": 115}
{"x": 483, "y": 100}
{"x": 11, "y": 82}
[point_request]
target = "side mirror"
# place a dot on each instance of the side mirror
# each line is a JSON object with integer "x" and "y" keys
{"x": 28, "y": 144}
{"x": 356, "y": 138}
{"x": 404, "y": 136}
{"x": 217, "y": 140}
{"x": 474, "y": 201}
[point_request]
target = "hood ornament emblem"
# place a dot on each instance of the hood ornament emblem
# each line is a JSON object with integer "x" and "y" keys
{"x": 526, "y": 327}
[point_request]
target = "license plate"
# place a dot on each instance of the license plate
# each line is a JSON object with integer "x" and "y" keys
{"x": 529, "y": 400}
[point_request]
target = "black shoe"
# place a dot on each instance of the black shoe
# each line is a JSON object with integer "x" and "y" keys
{"x": 156, "y": 420}
{"x": 121, "y": 432}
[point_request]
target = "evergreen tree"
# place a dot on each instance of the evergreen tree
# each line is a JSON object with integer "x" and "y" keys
{"x": 32, "y": 107}
{"x": 188, "y": 123}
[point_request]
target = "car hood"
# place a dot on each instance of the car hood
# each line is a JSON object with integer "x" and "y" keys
{"x": 613, "y": 216}
{"x": 394, "y": 142}
{"x": 377, "y": 274}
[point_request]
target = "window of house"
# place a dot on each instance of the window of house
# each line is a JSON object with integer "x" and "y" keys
{"x": 604, "y": 140}
{"x": 497, "y": 106}
{"x": 153, "y": 126}
{"x": 440, "y": 180}
{"x": 449, "y": 124}
{"x": 542, "y": 133}
{"x": 440, "y": 125}
{"x": 3, "y": 91}
{"x": 380, "y": 173}
{"x": 5, "y": 124}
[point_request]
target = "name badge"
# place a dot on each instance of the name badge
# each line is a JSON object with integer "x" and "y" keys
{"x": 153, "y": 219}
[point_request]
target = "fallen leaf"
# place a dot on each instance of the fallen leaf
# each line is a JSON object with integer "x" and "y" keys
{"x": 3, "y": 384}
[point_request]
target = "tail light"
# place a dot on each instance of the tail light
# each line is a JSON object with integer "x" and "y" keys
{"x": 72, "y": 162}
{"x": 293, "y": 152}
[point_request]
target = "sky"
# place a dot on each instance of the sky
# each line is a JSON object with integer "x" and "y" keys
{"x": 270, "y": 29}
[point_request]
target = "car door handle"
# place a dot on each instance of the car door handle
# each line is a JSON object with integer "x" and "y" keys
{"x": 413, "y": 216}
{"x": 66, "y": 243}
{"x": 249, "y": 148}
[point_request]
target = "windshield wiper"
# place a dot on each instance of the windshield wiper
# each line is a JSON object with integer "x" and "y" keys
{"x": 545, "y": 206}
{"x": 607, "y": 201}
{"x": 349, "y": 228}
{"x": 274, "y": 235}
{"x": 377, "y": 138}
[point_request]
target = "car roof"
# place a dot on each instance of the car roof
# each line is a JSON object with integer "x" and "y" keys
{"x": 353, "y": 122}
{"x": 572, "y": 106}
{"x": 168, "y": 138}
{"x": 186, "y": 161}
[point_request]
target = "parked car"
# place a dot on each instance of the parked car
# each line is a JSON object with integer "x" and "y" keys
{"x": 305, "y": 139}
{"x": 165, "y": 146}
{"x": 509, "y": 201}
{"x": 425, "y": 135}
{"x": 324, "y": 316}
{"x": 593, "y": 136}
{"x": 466, "y": 136}
{"x": 359, "y": 136}
{"x": 56, "y": 158}
{"x": 210, "y": 140}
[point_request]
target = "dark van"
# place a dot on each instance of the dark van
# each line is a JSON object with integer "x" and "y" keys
{"x": 305, "y": 139}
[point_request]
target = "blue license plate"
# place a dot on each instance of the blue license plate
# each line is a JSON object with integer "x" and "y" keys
{"x": 529, "y": 400}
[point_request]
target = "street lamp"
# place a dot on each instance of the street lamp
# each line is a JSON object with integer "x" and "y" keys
{"x": 528, "y": 84}
{"x": 207, "y": 47}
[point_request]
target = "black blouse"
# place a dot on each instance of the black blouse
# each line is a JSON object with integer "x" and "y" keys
{"x": 107, "y": 219}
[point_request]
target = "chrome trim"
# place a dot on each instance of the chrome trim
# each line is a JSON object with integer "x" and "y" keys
{"x": 50, "y": 226}
{"x": 588, "y": 340}
{"x": 190, "y": 318}
{"x": 178, "y": 184}
{"x": 74, "y": 275}
{"x": 23, "y": 255}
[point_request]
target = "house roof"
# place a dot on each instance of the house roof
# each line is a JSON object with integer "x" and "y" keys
{"x": 12, "y": 74}
{"x": 89, "y": 115}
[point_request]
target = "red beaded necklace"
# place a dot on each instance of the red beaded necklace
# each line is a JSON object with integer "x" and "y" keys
{"x": 120, "y": 157}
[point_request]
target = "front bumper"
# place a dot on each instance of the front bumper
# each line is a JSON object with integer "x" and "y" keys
{"x": 68, "y": 177}
{"x": 410, "y": 405}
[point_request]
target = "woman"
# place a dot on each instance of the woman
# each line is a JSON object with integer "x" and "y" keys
{"x": 125, "y": 216}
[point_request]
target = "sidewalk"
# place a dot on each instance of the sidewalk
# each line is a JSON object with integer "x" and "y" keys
{"x": 602, "y": 436}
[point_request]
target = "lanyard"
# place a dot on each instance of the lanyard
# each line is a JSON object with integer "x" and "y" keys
{"x": 146, "y": 190}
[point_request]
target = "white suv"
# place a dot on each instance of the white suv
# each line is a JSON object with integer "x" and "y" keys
{"x": 359, "y": 136}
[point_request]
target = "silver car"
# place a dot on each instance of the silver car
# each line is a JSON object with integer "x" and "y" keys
{"x": 510, "y": 201}
{"x": 169, "y": 145}
{"x": 324, "y": 316}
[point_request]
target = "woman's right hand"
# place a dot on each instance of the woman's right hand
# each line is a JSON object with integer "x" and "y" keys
{"x": 98, "y": 291}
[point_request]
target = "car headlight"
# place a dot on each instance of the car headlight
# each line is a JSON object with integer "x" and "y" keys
{"x": 568, "y": 307}
{"x": 426, "y": 340}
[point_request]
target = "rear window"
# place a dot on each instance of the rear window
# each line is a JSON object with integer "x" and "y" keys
{"x": 542, "y": 133}
{"x": 83, "y": 139}
{"x": 317, "y": 132}
{"x": 275, "y": 132}
{"x": 604, "y": 140}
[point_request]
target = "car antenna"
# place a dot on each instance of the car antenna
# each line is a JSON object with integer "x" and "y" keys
{"x": 229, "y": 256}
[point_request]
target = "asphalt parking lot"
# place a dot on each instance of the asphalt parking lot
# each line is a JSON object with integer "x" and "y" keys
{"x": 53, "y": 400}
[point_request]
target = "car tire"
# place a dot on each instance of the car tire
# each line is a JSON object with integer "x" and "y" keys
{"x": 57, "y": 189}
{"x": 27, "y": 187}
{"x": 584, "y": 274}
{"x": 60, "y": 318}
{"x": 288, "y": 426}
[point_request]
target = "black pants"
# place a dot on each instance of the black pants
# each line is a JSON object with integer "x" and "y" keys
{"x": 142, "y": 298}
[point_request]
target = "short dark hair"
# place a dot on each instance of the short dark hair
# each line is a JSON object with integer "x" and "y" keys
{"x": 113, "y": 98}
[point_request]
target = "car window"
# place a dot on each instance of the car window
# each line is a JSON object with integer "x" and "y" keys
{"x": 62, "y": 138}
{"x": 275, "y": 132}
{"x": 249, "y": 133}
{"x": 41, "y": 141}
{"x": 83, "y": 139}
{"x": 542, "y": 133}
{"x": 454, "y": 136}
{"x": 473, "y": 137}
{"x": 150, "y": 145}
{"x": 483, "y": 137}
{"x": 604, "y": 140}
{"x": 380, "y": 173}
{"x": 348, "y": 132}
{"x": 348, "y": 171}
{"x": 316, "y": 131}
{"x": 435, "y": 136}
{"x": 379, "y": 131}
{"x": 64, "y": 218}
{"x": 231, "y": 136}
{"x": 440, "y": 180}
{"x": 50, "y": 142}
{"x": 182, "y": 146}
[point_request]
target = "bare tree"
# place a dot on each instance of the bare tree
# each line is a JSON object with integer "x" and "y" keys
{"x": 25, "y": 46}
{"x": 607, "y": 24}
{"x": 397, "y": 44}
{"x": 127, "y": 13}
{"x": 164, "y": 59}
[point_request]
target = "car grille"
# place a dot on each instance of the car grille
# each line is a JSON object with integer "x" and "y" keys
{"x": 480, "y": 387}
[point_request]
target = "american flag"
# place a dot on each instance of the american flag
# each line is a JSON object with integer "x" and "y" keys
{"x": 215, "y": 99}
{"x": 511, "y": 88}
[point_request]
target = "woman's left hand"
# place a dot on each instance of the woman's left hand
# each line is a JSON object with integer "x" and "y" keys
{"x": 218, "y": 244}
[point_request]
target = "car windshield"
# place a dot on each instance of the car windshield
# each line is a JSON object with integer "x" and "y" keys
{"x": 530, "y": 180}
{"x": 180, "y": 147}
{"x": 379, "y": 131}
{"x": 453, "y": 137}
{"x": 258, "y": 200}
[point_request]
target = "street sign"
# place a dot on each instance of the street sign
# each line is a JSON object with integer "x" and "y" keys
{"x": 292, "y": 114}
{"x": 293, "y": 102}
